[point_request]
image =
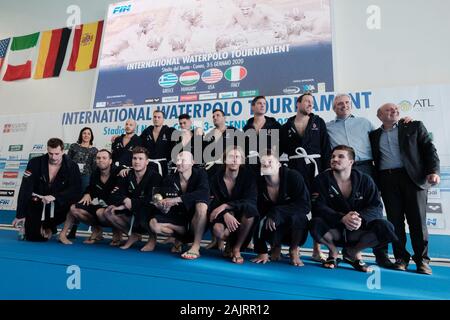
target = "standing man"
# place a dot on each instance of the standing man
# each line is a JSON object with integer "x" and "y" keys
{"x": 122, "y": 147}
{"x": 407, "y": 163}
{"x": 218, "y": 140}
{"x": 183, "y": 212}
{"x": 305, "y": 140}
{"x": 352, "y": 131}
{"x": 157, "y": 139}
{"x": 187, "y": 139}
{"x": 50, "y": 185}
{"x": 260, "y": 127}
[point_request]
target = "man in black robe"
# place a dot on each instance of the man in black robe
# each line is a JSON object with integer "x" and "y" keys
{"x": 233, "y": 204}
{"x": 183, "y": 211}
{"x": 50, "y": 185}
{"x": 95, "y": 200}
{"x": 132, "y": 202}
{"x": 283, "y": 205}
{"x": 347, "y": 211}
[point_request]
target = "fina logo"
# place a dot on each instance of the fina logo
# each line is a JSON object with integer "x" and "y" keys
{"x": 122, "y": 9}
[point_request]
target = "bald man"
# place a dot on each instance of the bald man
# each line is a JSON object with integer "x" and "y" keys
{"x": 123, "y": 145}
{"x": 407, "y": 163}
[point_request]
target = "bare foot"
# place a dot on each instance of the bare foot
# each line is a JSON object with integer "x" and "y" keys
{"x": 191, "y": 254}
{"x": 318, "y": 256}
{"x": 63, "y": 239}
{"x": 261, "y": 258}
{"x": 116, "y": 240}
{"x": 275, "y": 254}
{"x": 132, "y": 239}
{"x": 150, "y": 246}
{"x": 97, "y": 235}
{"x": 295, "y": 258}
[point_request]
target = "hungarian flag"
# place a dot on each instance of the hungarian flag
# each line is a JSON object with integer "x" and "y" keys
{"x": 51, "y": 53}
{"x": 20, "y": 55}
{"x": 3, "y": 49}
{"x": 86, "y": 46}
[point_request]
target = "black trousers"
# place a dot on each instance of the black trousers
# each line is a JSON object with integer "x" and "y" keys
{"x": 404, "y": 199}
{"x": 368, "y": 168}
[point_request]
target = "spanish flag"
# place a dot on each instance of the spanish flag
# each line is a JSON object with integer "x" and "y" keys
{"x": 51, "y": 53}
{"x": 86, "y": 47}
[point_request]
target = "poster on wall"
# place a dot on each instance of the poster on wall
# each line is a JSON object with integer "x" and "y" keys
{"x": 194, "y": 50}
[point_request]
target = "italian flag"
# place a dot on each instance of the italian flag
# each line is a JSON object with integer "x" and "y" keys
{"x": 20, "y": 55}
{"x": 236, "y": 73}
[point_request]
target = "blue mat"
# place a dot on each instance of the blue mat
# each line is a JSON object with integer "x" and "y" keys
{"x": 39, "y": 271}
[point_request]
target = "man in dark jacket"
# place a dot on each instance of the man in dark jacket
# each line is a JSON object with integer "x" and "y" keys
{"x": 347, "y": 211}
{"x": 283, "y": 205}
{"x": 233, "y": 204}
{"x": 183, "y": 211}
{"x": 50, "y": 185}
{"x": 407, "y": 164}
{"x": 95, "y": 200}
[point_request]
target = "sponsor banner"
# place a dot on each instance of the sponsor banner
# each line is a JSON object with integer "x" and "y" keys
{"x": 8, "y": 183}
{"x": 434, "y": 193}
{"x": 6, "y": 203}
{"x": 7, "y": 193}
{"x": 15, "y": 148}
{"x": 12, "y": 165}
{"x": 10, "y": 175}
{"x": 213, "y": 46}
{"x": 15, "y": 127}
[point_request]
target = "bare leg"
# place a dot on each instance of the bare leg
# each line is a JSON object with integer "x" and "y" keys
{"x": 242, "y": 233}
{"x": 199, "y": 224}
{"x": 317, "y": 254}
{"x": 328, "y": 240}
{"x": 151, "y": 243}
{"x": 294, "y": 253}
{"x": 132, "y": 239}
{"x": 67, "y": 225}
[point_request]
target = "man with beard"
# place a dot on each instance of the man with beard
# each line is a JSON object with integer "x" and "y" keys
{"x": 50, "y": 185}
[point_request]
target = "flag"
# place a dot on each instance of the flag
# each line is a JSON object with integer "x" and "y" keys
{"x": 189, "y": 78}
{"x": 86, "y": 46}
{"x": 3, "y": 49}
{"x": 20, "y": 55}
{"x": 51, "y": 53}
{"x": 236, "y": 73}
{"x": 212, "y": 76}
{"x": 168, "y": 80}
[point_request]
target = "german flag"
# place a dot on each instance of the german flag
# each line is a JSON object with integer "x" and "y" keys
{"x": 86, "y": 47}
{"x": 52, "y": 53}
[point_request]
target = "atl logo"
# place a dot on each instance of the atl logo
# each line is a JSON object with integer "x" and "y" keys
{"x": 122, "y": 9}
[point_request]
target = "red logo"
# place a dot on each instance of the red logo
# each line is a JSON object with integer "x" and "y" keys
{"x": 190, "y": 97}
{"x": 10, "y": 175}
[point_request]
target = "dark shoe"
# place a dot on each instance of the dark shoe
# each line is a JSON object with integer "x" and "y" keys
{"x": 424, "y": 268}
{"x": 73, "y": 232}
{"x": 384, "y": 262}
{"x": 359, "y": 265}
{"x": 400, "y": 265}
